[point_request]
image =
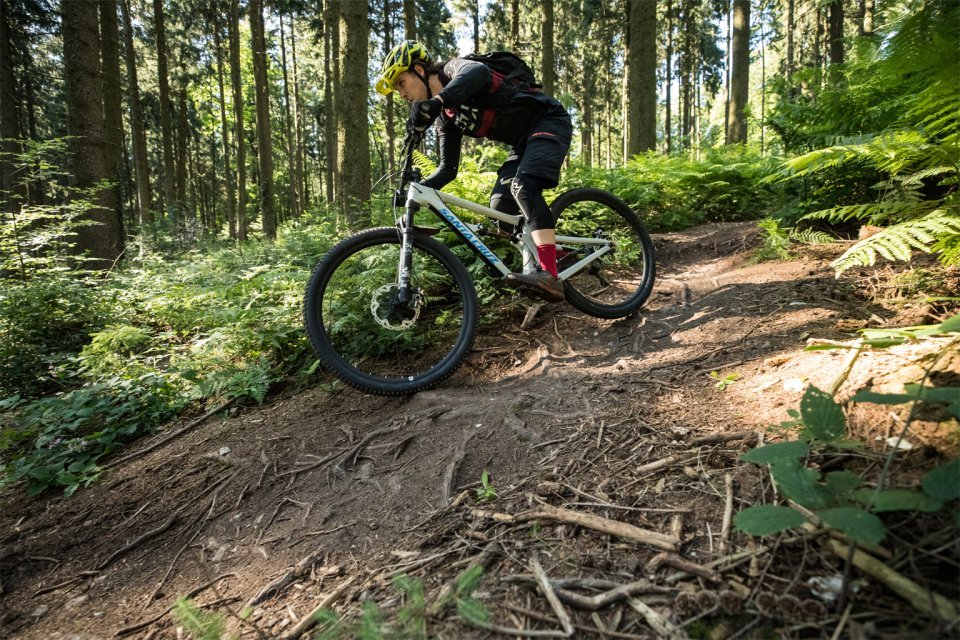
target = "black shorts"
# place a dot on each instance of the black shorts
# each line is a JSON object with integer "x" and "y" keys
{"x": 542, "y": 150}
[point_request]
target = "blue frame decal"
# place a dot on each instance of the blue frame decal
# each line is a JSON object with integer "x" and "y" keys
{"x": 469, "y": 236}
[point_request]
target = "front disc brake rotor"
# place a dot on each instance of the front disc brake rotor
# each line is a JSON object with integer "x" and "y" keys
{"x": 389, "y": 314}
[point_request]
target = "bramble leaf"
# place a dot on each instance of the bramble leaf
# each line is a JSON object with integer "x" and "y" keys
{"x": 822, "y": 415}
{"x": 897, "y": 500}
{"x": 766, "y": 519}
{"x": 780, "y": 451}
{"x": 856, "y": 523}
{"x": 841, "y": 483}
{"x": 943, "y": 483}
{"x": 799, "y": 483}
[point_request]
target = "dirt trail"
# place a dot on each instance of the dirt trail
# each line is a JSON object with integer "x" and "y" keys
{"x": 278, "y": 507}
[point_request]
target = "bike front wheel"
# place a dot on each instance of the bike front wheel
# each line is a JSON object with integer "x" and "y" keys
{"x": 618, "y": 281}
{"x": 371, "y": 338}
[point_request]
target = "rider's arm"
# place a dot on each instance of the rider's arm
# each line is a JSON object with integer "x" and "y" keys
{"x": 450, "y": 141}
{"x": 466, "y": 78}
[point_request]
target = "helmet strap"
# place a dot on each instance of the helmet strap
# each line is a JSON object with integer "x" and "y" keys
{"x": 424, "y": 80}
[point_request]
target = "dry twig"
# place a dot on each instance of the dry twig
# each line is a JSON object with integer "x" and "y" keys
{"x": 544, "y": 582}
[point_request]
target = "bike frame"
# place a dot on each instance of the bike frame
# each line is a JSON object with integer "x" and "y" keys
{"x": 419, "y": 195}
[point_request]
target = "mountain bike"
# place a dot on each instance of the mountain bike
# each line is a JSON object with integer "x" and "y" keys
{"x": 393, "y": 311}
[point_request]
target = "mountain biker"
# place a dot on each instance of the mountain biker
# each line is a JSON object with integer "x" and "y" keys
{"x": 470, "y": 99}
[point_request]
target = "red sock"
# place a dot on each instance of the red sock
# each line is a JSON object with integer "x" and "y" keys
{"x": 547, "y": 254}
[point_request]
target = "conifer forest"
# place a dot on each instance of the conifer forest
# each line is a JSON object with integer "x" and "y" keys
{"x": 768, "y": 448}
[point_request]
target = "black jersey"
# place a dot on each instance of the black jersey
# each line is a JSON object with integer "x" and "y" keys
{"x": 479, "y": 103}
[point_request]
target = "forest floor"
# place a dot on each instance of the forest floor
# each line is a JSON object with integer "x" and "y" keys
{"x": 611, "y": 455}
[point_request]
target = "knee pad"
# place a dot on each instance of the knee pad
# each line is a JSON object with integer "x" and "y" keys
{"x": 527, "y": 191}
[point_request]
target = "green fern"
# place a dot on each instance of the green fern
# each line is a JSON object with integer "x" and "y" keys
{"x": 899, "y": 241}
{"x": 423, "y": 162}
{"x": 197, "y": 622}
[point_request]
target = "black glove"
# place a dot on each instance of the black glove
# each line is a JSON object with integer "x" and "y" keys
{"x": 424, "y": 112}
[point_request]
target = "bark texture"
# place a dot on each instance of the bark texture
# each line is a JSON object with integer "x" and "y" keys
{"x": 740, "y": 72}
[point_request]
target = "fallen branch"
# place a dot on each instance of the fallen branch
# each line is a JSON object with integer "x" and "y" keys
{"x": 511, "y": 631}
{"x": 590, "y": 521}
{"x": 275, "y": 586}
{"x": 727, "y": 514}
{"x": 615, "y": 591}
{"x": 544, "y": 618}
{"x": 683, "y": 564}
{"x": 306, "y": 623}
{"x": 453, "y": 469}
{"x": 544, "y": 582}
{"x": 923, "y": 599}
{"x": 719, "y": 438}
{"x": 660, "y": 625}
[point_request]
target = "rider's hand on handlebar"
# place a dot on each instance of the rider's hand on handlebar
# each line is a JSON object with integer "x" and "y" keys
{"x": 424, "y": 112}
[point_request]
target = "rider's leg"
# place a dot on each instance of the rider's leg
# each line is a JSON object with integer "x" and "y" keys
{"x": 527, "y": 191}
{"x": 500, "y": 198}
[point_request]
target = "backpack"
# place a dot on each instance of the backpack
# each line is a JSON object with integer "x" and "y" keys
{"x": 511, "y": 69}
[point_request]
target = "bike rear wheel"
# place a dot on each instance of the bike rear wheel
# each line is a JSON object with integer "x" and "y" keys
{"x": 366, "y": 336}
{"x": 617, "y": 283}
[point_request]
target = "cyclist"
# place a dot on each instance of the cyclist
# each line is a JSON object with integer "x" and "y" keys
{"x": 470, "y": 99}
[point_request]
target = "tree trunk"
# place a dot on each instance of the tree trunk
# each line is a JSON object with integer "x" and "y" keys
{"x": 293, "y": 195}
{"x": 166, "y": 119}
{"x": 354, "y": 148}
{"x": 9, "y": 127}
{"x": 112, "y": 104}
{"x": 740, "y": 72}
{"x": 141, "y": 165}
{"x": 514, "y": 25}
{"x": 869, "y": 7}
{"x": 729, "y": 63}
{"x": 668, "y": 117}
{"x": 238, "y": 103}
{"x": 475, "y": 16}
{"x": 836, "y": 32}
{"x": 790, "y": 28}
{"x": 388, "y": 103}
{"x": 264, "y": 141}
{"x": 642, "y": 70}
{"x": 182, "y": 152}
{"x": 298, "y": 120}
{"x": 225, "y": 133}
{"x": 81, "y": 70}
{"x": 548, "y": 75}
{"x": 332, "y": 98}
{"x": 409, "y": 19}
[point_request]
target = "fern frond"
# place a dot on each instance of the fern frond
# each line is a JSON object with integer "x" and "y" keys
{"x": 899, "y": 241}
{"x": 872, "y": 211}
{"x": 424, "y": 163}
{"x": 812, "y": 236}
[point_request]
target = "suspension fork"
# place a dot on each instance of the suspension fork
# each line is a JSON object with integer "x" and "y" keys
{"x": 406, "y": 253}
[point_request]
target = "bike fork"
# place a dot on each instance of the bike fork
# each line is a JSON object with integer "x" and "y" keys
{"x": 406, "y": 254}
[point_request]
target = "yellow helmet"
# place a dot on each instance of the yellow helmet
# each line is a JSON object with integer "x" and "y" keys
{"x": 400, "y": 59}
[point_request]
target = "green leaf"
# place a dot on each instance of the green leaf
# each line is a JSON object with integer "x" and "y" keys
{"x": 943, "y": 483}
{"x": 780, "y": 451}
{"x": 822, "y": 416}
{"x": 857, "y": 524}
{"x": 882, "y": 398}
{"x": 897, "y": 500}
{"x": 472, "y": 611}
{"x": 766, "y": 519}
{"x": 799, "y": 483}
{"x": 950, "y": 324}
{"x": 842, "y": 483}
{"x": 469, "y": 580}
